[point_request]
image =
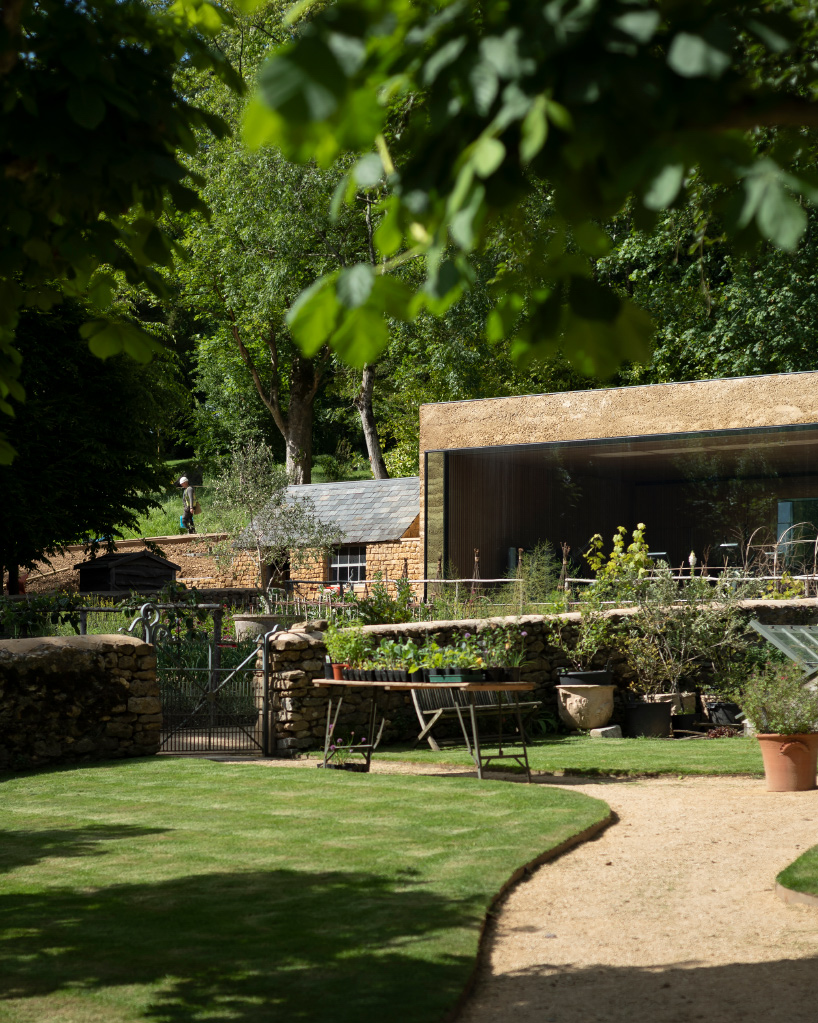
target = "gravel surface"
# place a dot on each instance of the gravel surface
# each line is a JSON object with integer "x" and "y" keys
{"x": 669, "y": 916}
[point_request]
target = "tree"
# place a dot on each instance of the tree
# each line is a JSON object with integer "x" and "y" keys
{"x": 269, "y": 233}
{"x": 609, "y": 102}
{"x": 87, "y": 449}
{"x": 92, "y": 130}
{"x": 259, "y": 513}
{"x": 718, "y": 312}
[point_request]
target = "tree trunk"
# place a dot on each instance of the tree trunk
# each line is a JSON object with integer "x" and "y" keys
{"x": 363, "y": 403}
{"x": 298, "y": 425}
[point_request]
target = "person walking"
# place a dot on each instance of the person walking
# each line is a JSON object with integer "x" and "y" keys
{"x": 190, "y": 504}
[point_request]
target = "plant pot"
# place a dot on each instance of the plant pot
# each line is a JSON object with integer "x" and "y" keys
{"x": 585, "y": 706}
{"x": 251, "y": 626}
{"x": 648, "y": 720}
{"x": 597, "y": 677}
{"x": 790, "y": 761}
{"x": 722, "y": 712}
{"x": 456, "y": 675}
{"x": 339, "y": 671}
{"x": 683, "y": 721}
{"x": 680, "y": 703}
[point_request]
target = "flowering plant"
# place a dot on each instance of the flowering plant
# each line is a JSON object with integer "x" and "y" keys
{"x": 341, "y": 751}
{"x": 777, "y": 701}
{"x": 504, "y": 646}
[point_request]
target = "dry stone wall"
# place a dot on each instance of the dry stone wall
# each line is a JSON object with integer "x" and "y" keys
{"x": 77, "y": 698}
{"x": 299, "y": 709}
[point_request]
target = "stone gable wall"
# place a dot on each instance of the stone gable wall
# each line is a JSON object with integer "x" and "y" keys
{"x": 77, "y": 698}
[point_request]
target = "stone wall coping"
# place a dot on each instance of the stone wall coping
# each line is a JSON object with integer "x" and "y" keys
{"x": 569, "y": 616}
{"x": 112, "y": 642}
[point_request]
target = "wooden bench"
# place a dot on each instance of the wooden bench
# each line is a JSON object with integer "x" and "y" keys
{"x": 435, "y": 704}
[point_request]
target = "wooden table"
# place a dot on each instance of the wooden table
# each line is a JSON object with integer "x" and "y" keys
{"x": 473, "y": 745}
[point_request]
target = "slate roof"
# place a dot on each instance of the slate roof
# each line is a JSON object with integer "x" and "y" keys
{"x": 367, "y": 511}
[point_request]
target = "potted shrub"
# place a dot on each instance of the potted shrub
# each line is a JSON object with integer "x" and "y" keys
{"x": 645, "y": 714}
{"x": 784, "y": 711}
{"x": 461, "y": 662}
{"x": 347, "y": 648}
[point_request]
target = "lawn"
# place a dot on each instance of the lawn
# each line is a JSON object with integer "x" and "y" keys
{"x": 579, "y": 754}
{"x": 802, "y": 875}
{"x": 178, "y": 891}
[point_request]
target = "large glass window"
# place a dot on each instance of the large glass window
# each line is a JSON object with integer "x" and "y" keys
{"x": 724, "y": 495}
{"x": 348, "y": 565}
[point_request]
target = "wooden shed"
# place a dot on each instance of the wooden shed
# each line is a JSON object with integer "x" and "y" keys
{"x": 124, "y": 572}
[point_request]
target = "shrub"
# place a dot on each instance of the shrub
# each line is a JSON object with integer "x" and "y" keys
{"x": 777, "y": 701}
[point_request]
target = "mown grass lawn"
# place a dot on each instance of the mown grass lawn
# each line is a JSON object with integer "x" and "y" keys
{"x": 802, "y": 875}
{"x": 182, "y": 891}
{"x": 579, "y": 754}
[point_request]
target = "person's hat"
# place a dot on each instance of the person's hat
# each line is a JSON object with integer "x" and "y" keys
{"x": 183, "y": 480}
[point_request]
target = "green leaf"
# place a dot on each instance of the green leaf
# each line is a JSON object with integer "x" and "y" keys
{"x": 592, "y": 239}
{"x": 86, "y": 106}
{"x": 355, "y": 285}
{"x": 464, "y": 225}
{"x": 442, "y": 58}
{"x": 692, "y": 56}
{"x": 314, "y": 314}
{"x": 7, "y": 452}
{"x": 487, "y": 155}
{"x": 593, "y": 301}
{"x": 388, "y": 234}
{"x": 639, "y": 25}
{"x": 303, "y": 82}
{"x": 534, "y": 130}
{"x": 368, "y": 171}
{"x": 248, "y": 6}
{"x": 39, "y": 251}
{"x": 780, "y": 218}
{"x": 392, "y": 297}
{"x": 664, "y": 188}
{"x": 361, "y": 336}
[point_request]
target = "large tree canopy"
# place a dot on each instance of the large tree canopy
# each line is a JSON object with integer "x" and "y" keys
{"x": 88, "y": 458}
{"x": 461, "y": 110}
{"x": 92, "y": 132}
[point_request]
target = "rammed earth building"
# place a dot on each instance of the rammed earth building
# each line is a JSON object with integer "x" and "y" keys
{"x": 709, "y": 466}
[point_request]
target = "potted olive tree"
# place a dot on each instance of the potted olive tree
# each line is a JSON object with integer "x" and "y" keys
{"x": 784, "y": 710}
{"x": 586, "y": 694}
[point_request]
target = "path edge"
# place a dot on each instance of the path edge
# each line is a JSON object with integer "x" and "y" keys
{"x": 527, "y": 868}
{"x": 791, "y": 896}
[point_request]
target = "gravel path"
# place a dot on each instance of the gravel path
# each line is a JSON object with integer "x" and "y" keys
{"x": 669, "y": 916}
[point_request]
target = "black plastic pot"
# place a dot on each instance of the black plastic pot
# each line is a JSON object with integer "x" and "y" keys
{"x": 722, "y": 712}
{"x": 602, "y": 677}
{"x": 684, "y": 721}
{"x": 649, "y": 720}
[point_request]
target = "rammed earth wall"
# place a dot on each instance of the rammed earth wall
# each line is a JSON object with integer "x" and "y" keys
{"x": 299, "y": 709}
{"x": 75, "y": 698}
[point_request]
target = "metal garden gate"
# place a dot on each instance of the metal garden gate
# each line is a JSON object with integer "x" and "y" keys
{"x": 209, "y": 706}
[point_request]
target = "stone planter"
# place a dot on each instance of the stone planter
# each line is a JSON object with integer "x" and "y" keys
{"x": 585, "y": 706}
{"x": 250, "y": 626}
{"x": 680, "y": 703}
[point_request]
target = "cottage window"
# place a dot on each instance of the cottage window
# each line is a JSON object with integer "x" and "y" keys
{"x": 348, "y": 565}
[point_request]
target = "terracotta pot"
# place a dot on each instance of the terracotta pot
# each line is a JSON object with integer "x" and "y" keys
{"x": 790, "y": 761}
{"x": 338, "y": 671}
{"x": 584, "y": 706}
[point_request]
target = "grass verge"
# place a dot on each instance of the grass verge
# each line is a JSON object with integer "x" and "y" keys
{"x": 579, "y": 754}
{"x": 180, "y": 891}
{"x": 802, "y": 874}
